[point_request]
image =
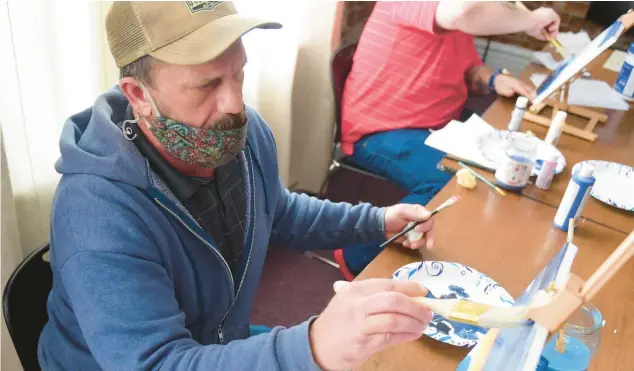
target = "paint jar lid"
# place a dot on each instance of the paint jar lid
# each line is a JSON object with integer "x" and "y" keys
{"x": 587, "y": 169}
{"x": 521, "y": 102}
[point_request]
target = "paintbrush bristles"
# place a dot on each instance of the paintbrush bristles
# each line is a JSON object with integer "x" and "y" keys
{"x": 452, "y": 200}
{"x": 478, "y": 314}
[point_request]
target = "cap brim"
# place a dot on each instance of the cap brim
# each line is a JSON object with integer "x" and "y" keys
{"x": 209, "y": 41}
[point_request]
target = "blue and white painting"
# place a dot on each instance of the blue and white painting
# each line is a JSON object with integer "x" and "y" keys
{"x": 614, "y": 183}
{"x": 455, "y": 281}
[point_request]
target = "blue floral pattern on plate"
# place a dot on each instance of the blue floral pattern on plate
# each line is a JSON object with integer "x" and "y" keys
{"x": 614, "y": 183}
{"x": 492, "y": 146}
{"x": 447, "y": 280}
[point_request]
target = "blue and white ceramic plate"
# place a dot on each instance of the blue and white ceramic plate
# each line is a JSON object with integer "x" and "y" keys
{"x": 449, "y": 281}
{"x": 492, "y": 145}
{"x": 614, "y": 183}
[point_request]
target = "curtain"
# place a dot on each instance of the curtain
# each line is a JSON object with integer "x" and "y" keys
{"x": 53, "y": 65}
{"x": 287, "y": 79}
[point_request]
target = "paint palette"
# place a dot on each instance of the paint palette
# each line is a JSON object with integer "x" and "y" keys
{"x": 614, "y": 183}
{"x": 492, "y": 146}
{"x": 454, "y": 281}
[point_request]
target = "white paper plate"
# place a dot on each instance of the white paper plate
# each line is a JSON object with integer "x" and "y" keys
{"x": 492, "y": 146}
{"x": 452, "y": 280}
{"x": 614, "y": 185}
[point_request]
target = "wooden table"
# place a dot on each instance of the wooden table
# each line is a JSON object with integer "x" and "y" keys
{"x": 615, "y": 143}
{"x": 511, "y": 239}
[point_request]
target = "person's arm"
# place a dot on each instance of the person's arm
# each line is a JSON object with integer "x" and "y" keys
{"x": 124, "y": 300}
{"x": 478, "y": 77}
{"x": 483, "y": 18}
{"x": 307, "y": 223}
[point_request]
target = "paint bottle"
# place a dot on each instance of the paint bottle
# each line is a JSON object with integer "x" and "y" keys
{"x": 625, "y": 81}
{"x": 518, "y": 114}
{"x": 575, "y": 197}
{"x": 515, "y": 168}
{"x": 547, "y": 172}
{"x": 556, "y": 126}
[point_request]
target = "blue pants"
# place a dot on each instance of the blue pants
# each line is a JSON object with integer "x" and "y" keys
{"x": 402, "y": 157}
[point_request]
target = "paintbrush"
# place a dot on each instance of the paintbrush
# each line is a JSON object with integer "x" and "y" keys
{"x": 495, "y": 188}
{"x": 478, "y": 314}
{"x": 553, "y": 41}
{"x": 452, "y": 200}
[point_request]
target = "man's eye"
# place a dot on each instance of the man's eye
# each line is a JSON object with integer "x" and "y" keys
{"x": 210, "y": 84}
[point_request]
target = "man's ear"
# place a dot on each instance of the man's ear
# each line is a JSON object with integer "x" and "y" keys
{"x": 135, "y": 95}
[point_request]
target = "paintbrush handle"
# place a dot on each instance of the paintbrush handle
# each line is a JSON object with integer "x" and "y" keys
{"x": 609, "y": 268}
{"x": 545, "y": 34}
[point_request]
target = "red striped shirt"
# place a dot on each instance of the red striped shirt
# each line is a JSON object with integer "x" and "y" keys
{"x": 407, "y": 73}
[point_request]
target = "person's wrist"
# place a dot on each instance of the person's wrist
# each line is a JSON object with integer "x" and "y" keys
{"x": 494, "y": 75}
{"x": 313, "y": 338}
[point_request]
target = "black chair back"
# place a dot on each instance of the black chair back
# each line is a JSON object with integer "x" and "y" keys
{"x": 24, "y": 305}
{"x": 340, "y": 66}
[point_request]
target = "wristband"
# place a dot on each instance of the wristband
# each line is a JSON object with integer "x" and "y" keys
{"x": 503, "y": 71}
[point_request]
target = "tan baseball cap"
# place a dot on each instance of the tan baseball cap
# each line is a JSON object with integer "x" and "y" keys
{"x": 177, "y": 32}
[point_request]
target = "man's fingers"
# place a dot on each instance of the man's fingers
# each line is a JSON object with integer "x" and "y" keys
{"x": 391, "y": 323}
{"x": 397, "y": 303}
{"x": 425, "y": 226}
{"x": 377, "y": 285}
{"x": 378, "y": 342}
{"x": 415, "y": 213}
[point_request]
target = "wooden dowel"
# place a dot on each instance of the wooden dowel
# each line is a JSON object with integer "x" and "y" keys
{"x": 481, "y": 355}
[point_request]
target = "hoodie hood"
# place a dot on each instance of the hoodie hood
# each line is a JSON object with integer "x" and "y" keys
{"x": 93, "y": 143}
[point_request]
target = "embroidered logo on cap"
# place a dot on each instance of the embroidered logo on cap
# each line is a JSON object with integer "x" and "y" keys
{"x": 200, "y": 6}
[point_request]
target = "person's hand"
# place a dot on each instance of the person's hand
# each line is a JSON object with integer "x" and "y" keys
{"x": 398, "y": 216}
{"x": 366, "y": 317}
{"x": 544, "y": 19}
{"x": 508, "y": 86}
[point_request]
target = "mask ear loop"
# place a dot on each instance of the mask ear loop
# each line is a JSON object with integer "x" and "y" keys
{"x": 148, "y": 96}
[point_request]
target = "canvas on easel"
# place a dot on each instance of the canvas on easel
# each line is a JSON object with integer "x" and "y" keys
{"x": 553, "y": 91}
{"x": 520, "y": 348}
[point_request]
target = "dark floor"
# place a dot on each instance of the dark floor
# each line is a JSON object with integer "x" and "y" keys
{"x": 282, "y": 298}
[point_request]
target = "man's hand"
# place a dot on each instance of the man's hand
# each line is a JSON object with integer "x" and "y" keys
{"x": 366, "y": 317}
{"x": 544, "y": 19}
{"x": 398, "y": 216}
{"x": 508, "y": 86}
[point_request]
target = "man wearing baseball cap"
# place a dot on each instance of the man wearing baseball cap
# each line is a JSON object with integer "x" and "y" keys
{"x": 169, "y": 198}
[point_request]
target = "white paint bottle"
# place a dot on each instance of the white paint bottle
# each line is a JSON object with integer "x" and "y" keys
{"x": 575, "y": 197}
{"x": 518, "y": 114}
{"x": 556, "y": 126}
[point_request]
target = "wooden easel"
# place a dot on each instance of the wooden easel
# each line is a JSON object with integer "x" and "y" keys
{"x": 565, "y": 302}
{"x": 558, "y": 100}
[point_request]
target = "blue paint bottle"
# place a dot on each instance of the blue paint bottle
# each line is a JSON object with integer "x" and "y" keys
{"x": 575, "y": 197}
{"x": 625, "y": 81}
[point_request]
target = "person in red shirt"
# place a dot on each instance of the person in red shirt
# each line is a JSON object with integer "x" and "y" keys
{"x": 413, "y": 69}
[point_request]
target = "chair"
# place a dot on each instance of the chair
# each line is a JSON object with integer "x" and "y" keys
{"x": 24, "y": 305}
{"x": 340, "y": 66}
